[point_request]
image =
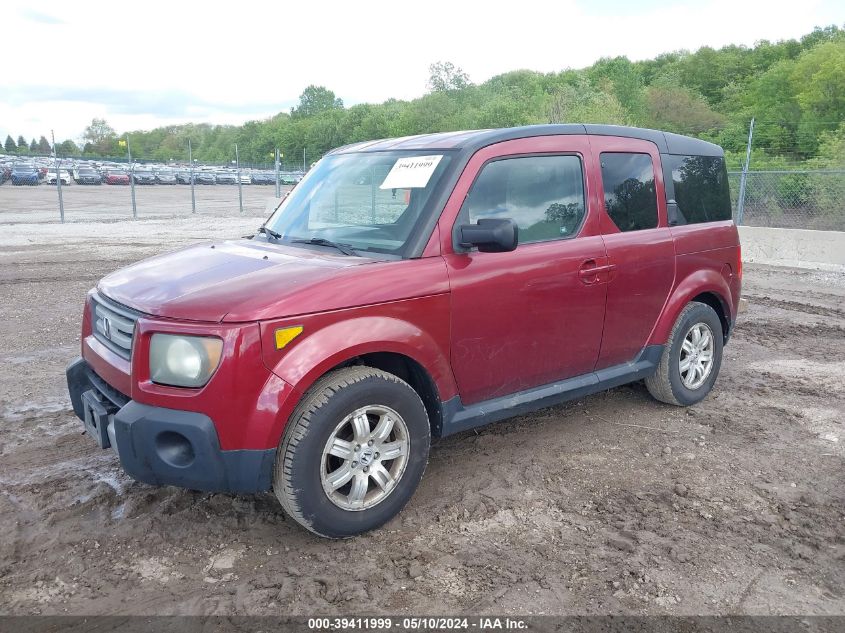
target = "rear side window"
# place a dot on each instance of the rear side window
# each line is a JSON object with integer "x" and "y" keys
{"x": 629, "y": 195}
{"x": 544, "y": 195}
{"x": 701, "y": 188}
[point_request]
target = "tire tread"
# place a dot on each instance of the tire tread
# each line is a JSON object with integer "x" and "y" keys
{"x": 658, "y": 383}
{"x": 317, "y": 397}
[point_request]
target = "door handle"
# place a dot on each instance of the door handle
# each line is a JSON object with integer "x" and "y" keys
{"x": 590, "y": 273}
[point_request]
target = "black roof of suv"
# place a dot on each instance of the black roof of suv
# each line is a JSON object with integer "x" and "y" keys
{"x": 470, "y": 141}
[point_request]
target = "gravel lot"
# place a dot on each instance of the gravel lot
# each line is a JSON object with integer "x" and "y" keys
{"x": 613, "y": 504}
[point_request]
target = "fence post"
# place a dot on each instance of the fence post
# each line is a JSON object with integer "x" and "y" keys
{"x": 740, "y": 203}
{"x": 131, "y": 179}
{"x": 58, "y": 178}
{"x": 278, "y": 189}
{"x": 191, "y": 176}
{"x": 240, "y": 189}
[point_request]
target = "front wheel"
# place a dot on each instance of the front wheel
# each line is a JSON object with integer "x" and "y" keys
{"x": 691, "y": 359}
{"x": 353, "y": 452}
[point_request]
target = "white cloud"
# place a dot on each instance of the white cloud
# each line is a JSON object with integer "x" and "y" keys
{"x": 201, "y": 61}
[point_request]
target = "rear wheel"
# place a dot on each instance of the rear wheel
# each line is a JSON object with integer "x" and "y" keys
{"x": 691, "y": 359}
{"x": 353, "y": 452}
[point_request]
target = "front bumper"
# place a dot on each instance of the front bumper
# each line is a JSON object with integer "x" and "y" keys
{"x": 164, "y": 446}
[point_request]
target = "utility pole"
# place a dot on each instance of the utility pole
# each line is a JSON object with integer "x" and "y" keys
{"x": 58, "y": 177}
{"x": 740, "y": 205}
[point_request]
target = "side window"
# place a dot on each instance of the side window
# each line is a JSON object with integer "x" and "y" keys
{"x": 544, "y": 195}
{"x": 701, "y": 188}
{"x": 629, "y": 194}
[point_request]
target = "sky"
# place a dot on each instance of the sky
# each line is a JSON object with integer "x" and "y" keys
{"x": 155, "y": 63}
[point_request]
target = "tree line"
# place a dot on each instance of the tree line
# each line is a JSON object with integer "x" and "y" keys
{"x": 795, "y": 89}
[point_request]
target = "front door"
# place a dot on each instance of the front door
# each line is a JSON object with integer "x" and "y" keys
{"x": 532, "y": 316}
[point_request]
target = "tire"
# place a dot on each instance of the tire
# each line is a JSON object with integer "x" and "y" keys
{"x": 303, "y": 471}
{"x": 669, "y": 383}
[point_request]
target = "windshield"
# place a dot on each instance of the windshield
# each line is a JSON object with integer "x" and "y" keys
{"x": 368, "y": 200}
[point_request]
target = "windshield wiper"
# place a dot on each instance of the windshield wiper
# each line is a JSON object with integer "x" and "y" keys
{"x": 346, "y": 249}
{"x": 270, "y": 232}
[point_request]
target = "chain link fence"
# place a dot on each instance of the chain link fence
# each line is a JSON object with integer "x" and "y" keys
{"x": 37, "y": 188}
{"x": 131, "y": 186}
{"x": 794, "y": 199}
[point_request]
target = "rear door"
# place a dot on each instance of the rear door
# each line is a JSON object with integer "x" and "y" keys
{"x": 639, "y": 244}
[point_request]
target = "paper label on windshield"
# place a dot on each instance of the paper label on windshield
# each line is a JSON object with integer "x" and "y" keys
{"x": 411, "y": 172}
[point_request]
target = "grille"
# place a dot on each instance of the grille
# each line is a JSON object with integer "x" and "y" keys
{"x": 114, "y": 325}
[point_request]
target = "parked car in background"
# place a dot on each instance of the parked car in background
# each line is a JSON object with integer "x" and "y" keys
{"x": 262, "y": 178}
{"x": 87, "y": 176}
{"x": 205, "y": 178}
{"x": 226, "y": 178}
{"x": 144, "y": 176}
{"x": 183, "y": 177}
{"x": 5, "y": 173}
{"x": 51, "y": 179}
{"x": 165, "y": 177}
{"x": 289, "y": 178}
{"x": 116, "y": 177}
{"x": 246, "y": 178}
{"x": 25, "y": 174}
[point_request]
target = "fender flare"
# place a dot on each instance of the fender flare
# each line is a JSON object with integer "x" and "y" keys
{"x": 697, "y": 283}
{"x": 339, "y": 342}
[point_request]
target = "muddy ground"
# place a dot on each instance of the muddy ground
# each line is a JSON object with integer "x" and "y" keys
{"x": 613, "y": 504}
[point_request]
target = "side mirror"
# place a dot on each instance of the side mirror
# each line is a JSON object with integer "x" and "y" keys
{"x": 490, "y": 235}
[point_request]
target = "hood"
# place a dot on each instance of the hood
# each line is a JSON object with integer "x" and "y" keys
{"x": 237, "y": 280}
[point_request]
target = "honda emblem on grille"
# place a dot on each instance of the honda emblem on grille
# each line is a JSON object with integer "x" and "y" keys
{"x": 107, "y": 328}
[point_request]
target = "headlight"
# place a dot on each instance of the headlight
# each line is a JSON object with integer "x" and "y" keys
{"x": 183, "y": 361}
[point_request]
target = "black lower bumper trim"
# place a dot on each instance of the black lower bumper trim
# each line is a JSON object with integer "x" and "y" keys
{"x": 169, "y": 447}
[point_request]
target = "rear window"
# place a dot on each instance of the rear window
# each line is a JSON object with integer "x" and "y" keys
{"x": 629, "y": 195}
{"x": 701, "y": 188}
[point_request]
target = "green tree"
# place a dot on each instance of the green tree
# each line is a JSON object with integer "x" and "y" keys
{"x": 22, "y": 146}
{"x": 445, "y": 76}
{"x": 44, "y": 145}
{"x": 100, "y": 138}
{"x": 67, "y": 148}
{"x": 678, "y": 109}
{"x": 582, "y": 103}
{"x": 314, "y": 100}
{"x": 33, "y": 146}
{"x": 9, "y": 145}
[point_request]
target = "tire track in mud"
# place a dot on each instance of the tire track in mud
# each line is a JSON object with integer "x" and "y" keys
{"x": 796, "y": 306}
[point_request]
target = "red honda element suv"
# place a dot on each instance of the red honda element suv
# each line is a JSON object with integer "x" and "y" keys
{"x": 407, "y": 289}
